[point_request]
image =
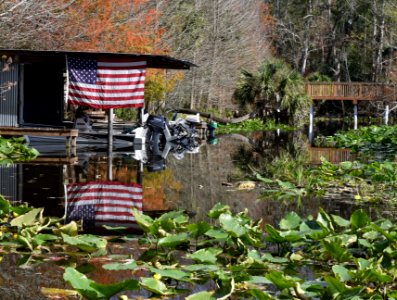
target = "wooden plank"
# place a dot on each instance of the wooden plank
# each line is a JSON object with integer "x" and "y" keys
{"x": 49, "y": 160}
{"x": 39, "y": 131}
{"x": 354, "y": 91}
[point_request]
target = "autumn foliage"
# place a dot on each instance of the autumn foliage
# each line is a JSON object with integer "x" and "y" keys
{"x": 113, "y": 26}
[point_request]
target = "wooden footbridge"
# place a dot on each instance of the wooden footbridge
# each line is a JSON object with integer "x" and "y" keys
{"x": 352, "y": 91}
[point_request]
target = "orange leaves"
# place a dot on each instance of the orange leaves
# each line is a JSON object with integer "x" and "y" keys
{"x": 114, "y": 26}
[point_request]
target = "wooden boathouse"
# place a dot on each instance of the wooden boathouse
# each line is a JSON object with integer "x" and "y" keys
{"x": 34, "y": 88}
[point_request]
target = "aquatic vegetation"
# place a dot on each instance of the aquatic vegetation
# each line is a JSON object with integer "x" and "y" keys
{"x": 231, "y": 255}
{"x": 251, "y": 125}
{"x": 365, "y": 139}
{"x": 234, "y": 256}
{"x": 367, "y": 181}
{"x": 25, "y": 228}
{"x": 14, "y": 149}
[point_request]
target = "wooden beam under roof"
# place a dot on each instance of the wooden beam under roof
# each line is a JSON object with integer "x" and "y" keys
{"x": 52, "y": 56}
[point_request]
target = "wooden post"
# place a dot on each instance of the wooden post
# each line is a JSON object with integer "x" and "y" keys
{"x": 110, "y": 128}
{"x": 311, "y": 119}
{"x": 355, "y": 113}
{"x": 386, "y": 117}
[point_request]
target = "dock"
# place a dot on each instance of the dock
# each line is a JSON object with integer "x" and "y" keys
{"x": 70, "y": 134}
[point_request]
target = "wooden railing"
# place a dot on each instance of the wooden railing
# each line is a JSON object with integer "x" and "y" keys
{"x": 333, "y": 155}
{"x": 353, "y": 91}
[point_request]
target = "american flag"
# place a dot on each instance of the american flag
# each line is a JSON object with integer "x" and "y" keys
{"x": 106, "y": 83}
{"x": 103, "y": 203}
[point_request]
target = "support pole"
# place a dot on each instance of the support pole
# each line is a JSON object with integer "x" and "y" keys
{"x": 110, "y": 128}
{"x": 387, "y": 111}
{"x": 355, "y": 113}
{"x": 311, "y": 119}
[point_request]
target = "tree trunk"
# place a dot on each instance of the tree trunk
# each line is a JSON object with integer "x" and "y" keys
{"x": 216, "y": 119}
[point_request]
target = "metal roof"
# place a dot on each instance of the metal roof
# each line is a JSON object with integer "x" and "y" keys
{"x": 54, "y": 56}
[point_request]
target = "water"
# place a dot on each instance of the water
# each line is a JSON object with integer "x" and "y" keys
{"x": 193, "y": 182}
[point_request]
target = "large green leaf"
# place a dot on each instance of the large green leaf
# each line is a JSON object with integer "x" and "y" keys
{"x": 334, "y": 249}
{"x": 174, "y": 240}
{"x": 335, "y": 287}
{"x": 218, "y": 209}
{"x": 232, "y": 225}
{"x": 281, "y": 281}
{"x": 92, "y": 290}
{"x": 198, "y": 229}
{"x": 85, "y": 242}
{"x": 42, "y": 238}
{"x": 217, "y": 233}
{"x": 342, "y": 273}
{"x": 171, "y": 273}
{"x": 69, "y": 229}
{"x": 290, "y": 221}
{"x": 4, "y": 205}
{"x": 207, "y": 255}
{"x": 204, "y": 295}
{"x": 156, "y": 286}
{"x": 128, "y": 265}
{"x": 201, "y": 268}
{"x": 144, "y": 221}
{"x": 28, "y": 219}
{"x": 359, "y": 219}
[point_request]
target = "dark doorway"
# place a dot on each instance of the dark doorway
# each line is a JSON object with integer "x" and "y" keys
{"x": 43, "y": 94}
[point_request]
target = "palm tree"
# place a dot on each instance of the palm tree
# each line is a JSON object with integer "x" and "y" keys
{"x": 273, "y": 88}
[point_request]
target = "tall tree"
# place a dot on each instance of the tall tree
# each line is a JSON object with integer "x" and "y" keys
{"x": 219, "y": 36}
{"x": 343, "y": 39}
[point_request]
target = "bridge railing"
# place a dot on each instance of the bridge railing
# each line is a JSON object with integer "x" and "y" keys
{"x": 351, "y": 91}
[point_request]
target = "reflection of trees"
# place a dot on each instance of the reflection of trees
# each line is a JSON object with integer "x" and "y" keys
{"x": 268, "y": 148}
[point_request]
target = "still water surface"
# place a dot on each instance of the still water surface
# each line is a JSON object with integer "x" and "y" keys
{"x": 193, "y": 182}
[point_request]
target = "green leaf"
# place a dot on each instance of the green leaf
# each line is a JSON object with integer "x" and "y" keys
{"x": 156, "y": 286}
{"x": 92, "y": 290}
{"x": 335, "y": 250}
{"x": 172, "y": 241}
{"x": 171, "y": 273}
{"x": 41, "y": 238}
{"x": 69, "y": 229}
{"x": 85, "y": 242}
{"x": 28, "y": 219}
{"x": 346, "y": 165}
{"x": 128, "y": 265}
{"x": 290, "y": 221}
{"x": 340, "y": 221}
{"x": 286, "y": 185}
{"x": 231, "y": 225}
{"x": 201, "y": 267}
{"x": 263, "y": 179}
{"x": 218, "y": 209}
{"x": 335, "y": 286}
{"x": 198, "y": 229}
{"x": 217, "y": 234}
{"x": 342, "y": 273}
{"x": 204, "y": 295}
{"x": 207, "y": 255}
{"x": 260, "y": 295}
{"x": 144, "y": 221}
{"x": 4, "y": 205}
{"x": 277, "y": 260}
{"x": 359, "y": 219}
{"x": 281, "y": 281}
{"x": 273, "y": 235}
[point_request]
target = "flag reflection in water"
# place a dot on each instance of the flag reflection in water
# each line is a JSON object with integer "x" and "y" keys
{"x": 103, "y": 203}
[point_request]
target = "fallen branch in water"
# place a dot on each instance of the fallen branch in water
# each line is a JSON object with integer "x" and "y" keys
{"x": 216, "y": 119}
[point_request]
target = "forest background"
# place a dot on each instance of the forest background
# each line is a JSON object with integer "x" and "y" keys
{"x": 347, "y": 40}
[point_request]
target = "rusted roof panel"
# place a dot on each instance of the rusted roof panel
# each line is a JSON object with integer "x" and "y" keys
{"x": 51, "y": 56}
